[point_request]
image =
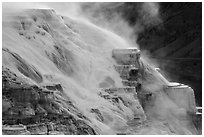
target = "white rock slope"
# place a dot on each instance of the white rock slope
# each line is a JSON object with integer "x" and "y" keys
{"x": 42, "y": 47}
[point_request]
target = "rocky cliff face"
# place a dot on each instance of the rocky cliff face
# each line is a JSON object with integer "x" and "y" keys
{"x": 39, "y": 109}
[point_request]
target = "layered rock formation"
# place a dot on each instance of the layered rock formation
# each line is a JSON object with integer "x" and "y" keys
{"x": 60, "y": 76}
{"x": 169, "y": 33}
{"x": 37, "y": 108}
{"x": 182, "y": 95}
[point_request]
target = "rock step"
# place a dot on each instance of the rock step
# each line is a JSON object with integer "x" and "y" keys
{"x": 126, "y": 51}
{"x": 124, "y": 77}
{"x": 183, "y": 96}
{"x": 29, "y": 94}
{"x": 53, "y": 86}
{"x": 38, "y": 129}
{"x": 126, "y": 56}
{"x": 124, "y": 70}
{"x": 127, "y": 72}
{"x": 51, "y": 124}
{"x": 22, "y": 92}
{"x": 130, "y": 83}
{"x": 199, "y": 109}
{"x": 125, "y": 97}
{"x": 14, "y": 130}
{"x": 120, "y": 90}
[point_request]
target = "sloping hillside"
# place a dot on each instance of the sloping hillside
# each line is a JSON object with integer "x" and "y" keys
{"x": 43, "y": 47}
{"x": 58, "y": 70}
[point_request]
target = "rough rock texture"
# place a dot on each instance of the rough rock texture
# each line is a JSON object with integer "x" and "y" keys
{"x": 123, "y": 70}
{"x": 149, "y": 95}
{"x": 128, "y": 97}
{"x": 130, "y": 83}
{"x": 35, "y": 107}
{"x": 15, "y": 130}
{"x": 126, "y": 56}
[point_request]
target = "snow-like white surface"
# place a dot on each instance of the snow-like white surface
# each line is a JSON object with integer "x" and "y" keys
{"x": 183, "y": 96}
{"x": 77, "y": 54}
{"x": 85, "y": 61}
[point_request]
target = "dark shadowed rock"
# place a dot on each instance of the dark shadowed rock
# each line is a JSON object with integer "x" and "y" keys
{"x": 36, "y": 107}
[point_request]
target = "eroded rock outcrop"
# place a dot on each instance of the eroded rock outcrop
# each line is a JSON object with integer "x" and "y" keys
{"x": 149, "y": 82}
{"x": 35, "y": 107}
{"x": 15, "y": 130}
{"x": 125, "y": 97}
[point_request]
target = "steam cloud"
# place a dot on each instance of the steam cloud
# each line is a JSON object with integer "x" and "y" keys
{"x": 98, "y": 14}
{"x": 101, "y": 14}
{"x": 108, "y": 16}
